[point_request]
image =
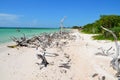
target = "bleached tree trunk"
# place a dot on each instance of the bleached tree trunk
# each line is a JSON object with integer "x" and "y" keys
{"x": 115, "y": 40}
{"x": 115, "y": 62}
{"x": 61, "y": 24}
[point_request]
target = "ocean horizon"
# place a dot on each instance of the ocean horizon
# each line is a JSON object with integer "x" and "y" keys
{"x": 7, "y": 32}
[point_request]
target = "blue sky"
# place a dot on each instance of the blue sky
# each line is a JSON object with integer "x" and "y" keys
{"x": 48, "y": 13}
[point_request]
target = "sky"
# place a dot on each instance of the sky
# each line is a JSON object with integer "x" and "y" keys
{"x": 48, "y": 13}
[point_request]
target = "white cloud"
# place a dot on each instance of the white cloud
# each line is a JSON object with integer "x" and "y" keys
{"x": 8, "y": 17}
{"x": 14, "y": 20}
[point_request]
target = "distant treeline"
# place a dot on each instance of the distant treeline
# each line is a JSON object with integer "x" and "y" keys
{"x": 111, "y": 22}
{"x": 76, "y": 27}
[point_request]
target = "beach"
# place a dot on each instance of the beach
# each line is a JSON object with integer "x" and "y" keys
{"x": 79, "y": 55}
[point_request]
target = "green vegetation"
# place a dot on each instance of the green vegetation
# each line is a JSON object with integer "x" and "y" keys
{"x": 111, "y": 22}
{"x": 76, "y": 27}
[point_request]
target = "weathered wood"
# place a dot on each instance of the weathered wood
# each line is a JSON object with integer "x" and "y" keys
{"x": 115, "y": 40}
{"x": 20, "y": 42}
{"x": 115, "y": 62}
{"x": 44, "y": 60}
{"x": 104, "y": 52}
{"x": 94, "y": 75}
{"x": 13, "y": 46}
{"x": 61, "y": 25}
{"x": 65, "y": 65}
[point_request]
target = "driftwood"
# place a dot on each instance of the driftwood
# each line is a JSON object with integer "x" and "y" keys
{"x": 104, "y": 52}
{"x": 101, "y": 78}
{"x": 45, "y": 40}
{"x": 94, "y": 75}
{"x": 115, "y": 62}
{"x": 44, "y": 60}
{"x": 13, "y": 46}
{"x": 21, "y": 41}
{"x": 61, "y": 24}
{"x": 65, "y": 65}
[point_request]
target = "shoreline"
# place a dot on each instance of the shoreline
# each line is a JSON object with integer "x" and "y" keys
{"x": 20, "y": 63}
{"x": 6, "y": 33}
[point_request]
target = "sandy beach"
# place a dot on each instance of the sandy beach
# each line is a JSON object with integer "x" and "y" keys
{"x": 83, "y": 64}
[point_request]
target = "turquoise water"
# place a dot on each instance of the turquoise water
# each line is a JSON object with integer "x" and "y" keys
{"x": 6, "y": 33}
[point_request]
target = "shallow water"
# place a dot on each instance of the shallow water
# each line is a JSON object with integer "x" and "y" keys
{"x": 6, "y": 33}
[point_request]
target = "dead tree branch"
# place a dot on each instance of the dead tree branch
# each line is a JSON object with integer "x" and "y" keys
{"x": 115, "y": 62}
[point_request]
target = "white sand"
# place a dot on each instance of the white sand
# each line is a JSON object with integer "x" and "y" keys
{"x": 20, "y": 63}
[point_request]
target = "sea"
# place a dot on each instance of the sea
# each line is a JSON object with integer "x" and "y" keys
{"x": 7, "y": 32}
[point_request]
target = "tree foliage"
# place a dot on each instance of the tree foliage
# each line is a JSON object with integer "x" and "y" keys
{"x": 111, "y": 22}
{"x": 76, "y": 27}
